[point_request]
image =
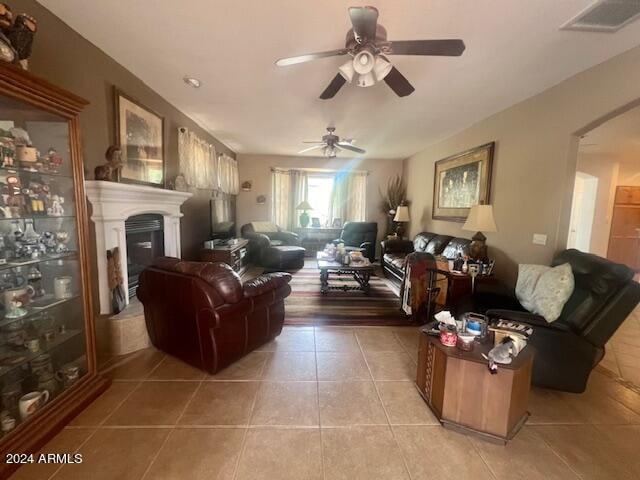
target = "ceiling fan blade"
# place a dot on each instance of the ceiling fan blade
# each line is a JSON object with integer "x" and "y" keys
{"x": 284, "y": 62}
{"x": 312, "y": 148}
{"x": 348, "y": 146}
{"x": 335, "y": 85}
{"x": 316, "y": 142}
{"x": 364, "y": 21}
{"x": 398, "y": 83}
{"x": 449, "y": 48}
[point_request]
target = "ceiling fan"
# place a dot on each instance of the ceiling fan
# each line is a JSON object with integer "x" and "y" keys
{"x": 368, "y": 46}
{"x": 331, "y": 144}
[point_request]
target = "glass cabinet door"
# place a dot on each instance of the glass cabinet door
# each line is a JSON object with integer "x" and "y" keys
{"x": 42, "y": 338}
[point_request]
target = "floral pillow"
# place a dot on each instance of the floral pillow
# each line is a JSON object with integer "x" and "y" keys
{"x": 544, "y": 290}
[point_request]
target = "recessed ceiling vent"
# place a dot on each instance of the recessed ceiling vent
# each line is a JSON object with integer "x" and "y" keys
{"x": 605, "y": 16}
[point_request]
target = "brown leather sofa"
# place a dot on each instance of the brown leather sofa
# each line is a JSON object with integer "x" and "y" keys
{"x": 202, "y": 314}
{"x": 395, "y": 251}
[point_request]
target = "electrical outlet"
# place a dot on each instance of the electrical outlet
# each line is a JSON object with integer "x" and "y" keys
{"x": 539, "y": 239}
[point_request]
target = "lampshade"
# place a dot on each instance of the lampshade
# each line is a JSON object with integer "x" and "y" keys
{"x": 347, "y": 71}
{"x": 402, "y": 214}
{"x": 304, "y": 205}
{"x": 366, "y": 80}
{"x": 381, "y": 68}
{"x": 480, "y": 219}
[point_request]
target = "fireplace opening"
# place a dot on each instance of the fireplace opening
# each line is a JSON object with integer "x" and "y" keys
{"x": 145, "y": 241}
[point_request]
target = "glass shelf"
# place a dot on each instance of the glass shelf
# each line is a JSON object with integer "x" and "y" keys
{"x": 34, "y": 261}
{"x": 10, "y": 360}
{"x": 30, "y": 170}
{"x": 34, "y": 312}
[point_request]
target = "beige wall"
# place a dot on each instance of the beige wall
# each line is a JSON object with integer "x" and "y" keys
{"x": 257, "y": 169}
{"x": 63, "y": 57}
{"x": 535, "y": 161}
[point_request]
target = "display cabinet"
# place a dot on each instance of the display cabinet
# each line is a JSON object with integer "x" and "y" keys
{"x": 47, "y": 347}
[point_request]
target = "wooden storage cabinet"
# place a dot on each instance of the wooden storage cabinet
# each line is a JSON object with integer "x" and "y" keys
{"x": 47, "y": 345}
{"x": 464, "y": 395}
{"x": 233, "y": 255}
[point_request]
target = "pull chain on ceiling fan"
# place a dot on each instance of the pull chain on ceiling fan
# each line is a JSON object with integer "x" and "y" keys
{"x": 368, "y": 46}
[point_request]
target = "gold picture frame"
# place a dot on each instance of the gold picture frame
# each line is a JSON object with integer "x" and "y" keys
{"x": 140, "y": 135}
{"x": 462, "y": 181}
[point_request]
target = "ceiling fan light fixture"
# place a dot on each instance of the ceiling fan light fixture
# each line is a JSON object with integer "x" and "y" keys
{"x": 347, "y": 71}
{"x": 381, "y": 68}
{"x": 366, "y": 80}
{"x": 363, "y": 62}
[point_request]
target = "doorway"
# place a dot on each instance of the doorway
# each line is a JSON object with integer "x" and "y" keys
{"x": 583, "y": 207}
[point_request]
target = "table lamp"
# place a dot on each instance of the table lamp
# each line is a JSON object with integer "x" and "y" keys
{"x": 480, "y": 218}
{"x": 304, "y": 216}
{"x": 402, "y": 216}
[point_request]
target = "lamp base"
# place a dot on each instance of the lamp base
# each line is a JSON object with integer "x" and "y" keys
{"x": 478, "y": 247}
{"x": 304, "y": 219}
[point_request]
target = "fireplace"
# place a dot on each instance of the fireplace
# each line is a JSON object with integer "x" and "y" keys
{"x": 145, "y": 241}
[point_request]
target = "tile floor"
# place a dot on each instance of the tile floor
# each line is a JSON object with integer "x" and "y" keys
{"x": 623, "y": 350}
{"x": 329, "y": 403}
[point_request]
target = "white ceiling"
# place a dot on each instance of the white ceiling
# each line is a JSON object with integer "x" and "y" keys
{"x": 514, "y": 50}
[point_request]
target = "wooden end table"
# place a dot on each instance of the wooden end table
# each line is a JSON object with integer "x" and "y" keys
{"x": 361, "y": 274}
{"x": 465, "y": 396}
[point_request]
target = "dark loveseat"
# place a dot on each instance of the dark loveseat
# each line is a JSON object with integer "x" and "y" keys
{"x": 395, "y": 251}
{"x": 202, "y": 314}
{"x": 361, "y": 235}
{"x": 570, "y": 347}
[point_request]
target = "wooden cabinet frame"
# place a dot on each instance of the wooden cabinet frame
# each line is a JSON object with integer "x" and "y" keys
{"x": 30, "y": 436}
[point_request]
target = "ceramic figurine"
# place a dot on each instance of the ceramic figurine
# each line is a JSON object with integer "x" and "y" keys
{"x": 56, "y": 209}
{"x": 180, "y": 184}
{"x": 21, "y": 35}
{"x": 54, "y": 159}
{"x": 15, "y": 310}
{"x": 110, "y": 171}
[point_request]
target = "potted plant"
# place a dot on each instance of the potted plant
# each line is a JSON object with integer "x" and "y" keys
{"x": 395, "y": 195}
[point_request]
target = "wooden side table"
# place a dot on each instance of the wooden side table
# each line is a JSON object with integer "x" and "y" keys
{"x": 465, "y": 396}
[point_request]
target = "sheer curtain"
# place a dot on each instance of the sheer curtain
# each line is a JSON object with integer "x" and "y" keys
{"x": 197, "y": 160}
{"x": 349, "y": 197}
{"x": 289, "y": 188}
{"x": 228, "y": 180}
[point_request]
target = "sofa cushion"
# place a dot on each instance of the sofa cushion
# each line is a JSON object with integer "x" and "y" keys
{"x": 437, "y": 244}
{"x": 398, "y": 260}
{"x": 421, "y": 241}
{"x": 264, "y": 227}
{"x": 456, "y": 246}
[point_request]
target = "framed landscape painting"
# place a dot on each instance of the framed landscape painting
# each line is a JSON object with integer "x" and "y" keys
{"x": 462, "y": 181}
{"x": 140, "y": 134}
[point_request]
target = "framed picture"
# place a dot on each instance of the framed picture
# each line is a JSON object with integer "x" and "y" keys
{"x": 462, "y": 181}
{"x": 140, "y": 134}
{"x": 315, "y": 222}
{"x": 337, "y": 223}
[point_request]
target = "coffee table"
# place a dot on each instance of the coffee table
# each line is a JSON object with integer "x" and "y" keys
{"x": 361, "y": 274}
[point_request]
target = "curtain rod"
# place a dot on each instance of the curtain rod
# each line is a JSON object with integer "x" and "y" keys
{"x": 318, "y": 170}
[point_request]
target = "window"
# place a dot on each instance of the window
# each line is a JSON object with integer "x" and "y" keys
{"x": 319, "y": 190}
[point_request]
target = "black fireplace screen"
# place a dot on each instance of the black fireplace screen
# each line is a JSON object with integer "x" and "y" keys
{"x": 145, "y": 241}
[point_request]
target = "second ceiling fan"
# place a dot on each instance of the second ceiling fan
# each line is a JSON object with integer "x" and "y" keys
{"x": 331, "y": 144}
{"x": 368, "y": 46}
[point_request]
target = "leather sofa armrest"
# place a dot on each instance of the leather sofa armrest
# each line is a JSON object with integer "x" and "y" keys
{"x": 396, "y": 245}
{"x": 336, "y": 241}
{"x": 265, "y": 283}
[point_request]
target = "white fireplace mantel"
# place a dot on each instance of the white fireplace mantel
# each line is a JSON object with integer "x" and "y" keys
{"x": 112, "y": 204}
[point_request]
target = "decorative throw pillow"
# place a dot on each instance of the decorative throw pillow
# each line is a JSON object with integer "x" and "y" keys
{"x": 264, "y": 227}
{"x": 528, "y": 277}
{"x": 545, "y": 290}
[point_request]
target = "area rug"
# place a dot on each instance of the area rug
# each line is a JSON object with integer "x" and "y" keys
{"x": 307, "y": 306}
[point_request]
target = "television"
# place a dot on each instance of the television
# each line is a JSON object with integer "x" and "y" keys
{"x": 223, "y": 216}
